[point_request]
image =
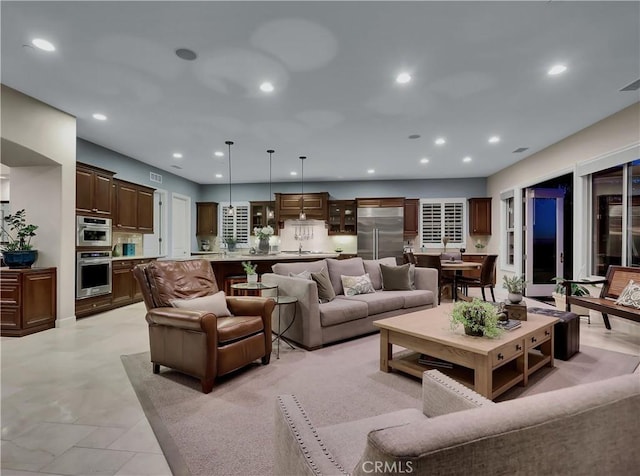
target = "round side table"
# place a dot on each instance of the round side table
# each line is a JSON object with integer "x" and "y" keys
{"x": 283, "y": 301}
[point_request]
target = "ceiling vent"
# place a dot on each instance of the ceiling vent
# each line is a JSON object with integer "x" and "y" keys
{"x": 632, "y": 87}
{"x": 154, "y": 177}
{"x": 520, "y": 150}
{"x": 176, "y": 167}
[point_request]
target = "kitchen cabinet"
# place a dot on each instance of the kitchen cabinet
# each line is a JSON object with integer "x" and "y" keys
{"x": 411, "y": 208}
{"x": 480, "y": 216}
{"x": 133, "y": 207}
{"x": 125, "y": 289}
{"x": 342, "y": 217}
{"x": 206, "y": 218}
{"x": 93, "y": 191}
{"x": 380, "y": 202}
{"x": 289, "y": 205}
{"x": 28, "y": 301}
{"x": 260, "y": 215}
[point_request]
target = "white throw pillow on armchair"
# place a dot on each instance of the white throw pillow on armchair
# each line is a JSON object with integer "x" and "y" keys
{"x": 215, "y": 303}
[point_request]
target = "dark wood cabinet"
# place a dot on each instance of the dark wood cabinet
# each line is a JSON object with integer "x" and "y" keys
{"x": 93, "y": 305}
{"x": 411, "y": 220}
{"x": 125, "y": 288}
{"x": 28, "y": 301}
{"x": 93, "y": 191}
{"x": 480, "y": 216}
{"x": 380, "y": 202}
{"x": 342, "y": 217}
{"x": 133, "y": 207}
{"x": 260, "y": 212}
{"x": 289, "y": 205}
{"x": 206, "y": 218}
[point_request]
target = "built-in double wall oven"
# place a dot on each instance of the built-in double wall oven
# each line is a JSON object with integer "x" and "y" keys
{"x": 93, "y": 256}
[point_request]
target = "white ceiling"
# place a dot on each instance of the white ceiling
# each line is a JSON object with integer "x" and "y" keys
{"x": 478, "y": 68}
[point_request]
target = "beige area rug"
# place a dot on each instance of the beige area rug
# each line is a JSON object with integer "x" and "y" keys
{"x": 230, "y": 431}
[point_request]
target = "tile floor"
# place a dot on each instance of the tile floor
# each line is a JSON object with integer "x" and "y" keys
{"x": 68, "y": 407}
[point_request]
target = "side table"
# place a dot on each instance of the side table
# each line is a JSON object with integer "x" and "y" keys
{"x": 282, "y": 301}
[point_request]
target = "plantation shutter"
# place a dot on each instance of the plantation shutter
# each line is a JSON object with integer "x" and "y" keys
{"x": 454, "y": 222}
{"x": 431, "y": 222}
{"x": 440, "y": 218}
{"x": 236, "y": 225}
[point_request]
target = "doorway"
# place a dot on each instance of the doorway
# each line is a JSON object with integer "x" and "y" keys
{"x": 156, "y": 244}
{"x": 180, "y": 226}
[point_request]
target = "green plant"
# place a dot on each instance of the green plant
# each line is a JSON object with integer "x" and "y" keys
{"x": 576, "y": 289}
{"x": 230, "y": 240}
{"x": 21, "y": 241}
{"x": 476, "y": 316}
{"x": 249, "y": 268}
{"x": 514, "y": 284}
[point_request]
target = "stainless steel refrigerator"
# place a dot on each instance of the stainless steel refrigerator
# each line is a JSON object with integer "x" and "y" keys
{"x": 381, "y": 233}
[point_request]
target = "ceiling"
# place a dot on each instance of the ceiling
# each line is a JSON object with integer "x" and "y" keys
{"x": 478, "y": 69}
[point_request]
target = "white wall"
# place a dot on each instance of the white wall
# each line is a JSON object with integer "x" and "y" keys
{"x": 617, "y": 132}
{"x": 39, "y": 144}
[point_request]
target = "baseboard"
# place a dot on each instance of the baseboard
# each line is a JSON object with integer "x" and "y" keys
{"x": 66, "y": 322}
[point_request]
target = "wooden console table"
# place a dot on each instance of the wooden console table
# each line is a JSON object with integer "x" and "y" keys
{"x": 27, "y": 300}
{"x": 489, "y": 366}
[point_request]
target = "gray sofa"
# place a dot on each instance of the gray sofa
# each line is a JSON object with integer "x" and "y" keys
{"x": 582, "y": 430}
{"x": 317, "y": 324}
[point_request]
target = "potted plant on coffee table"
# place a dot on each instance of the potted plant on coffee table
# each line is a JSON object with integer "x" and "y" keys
{"x": 515, "y": 285}
{"x": 576, "y": 290}
{"x": 18, "y": 251}
{"x": 250, "y": 270}
{"x": 479, "y": 318}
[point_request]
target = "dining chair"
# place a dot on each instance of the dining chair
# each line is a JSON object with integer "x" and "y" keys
{"x": 433, "y": 261}
{"x": 409, "y": 257}
{"x": 485, "y": 280}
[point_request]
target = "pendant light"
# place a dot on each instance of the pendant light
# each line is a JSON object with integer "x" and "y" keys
{"x": 271, "y": 213}
{"x": 303, "y": 215}
{"x": 230, "y": 211}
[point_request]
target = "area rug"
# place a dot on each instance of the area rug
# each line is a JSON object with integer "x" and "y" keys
{"x": 230, "y": 431}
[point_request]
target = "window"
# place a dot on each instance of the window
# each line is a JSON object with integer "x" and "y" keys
{"x": 441, "y": 218}
{"x": 236, "y": 225}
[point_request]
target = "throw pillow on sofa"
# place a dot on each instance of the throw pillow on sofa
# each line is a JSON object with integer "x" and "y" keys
{"x": 396, "y": 278}
{"x": 357, "y": 285}
{"x": 325, "y": 289}
{"x": 215, "y": 303}
{"x": 630, "y": 295}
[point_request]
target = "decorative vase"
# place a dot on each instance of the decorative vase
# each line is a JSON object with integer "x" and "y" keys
{"x": 231, "y": 247}
{"x": 252, "y": 278}
{"x": 263, "y": 246}
{"x": 20, "y": 259}
{"x": 471, "y": 332}
{"x": 515, "y": 298}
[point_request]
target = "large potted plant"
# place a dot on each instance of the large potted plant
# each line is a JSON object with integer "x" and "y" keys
{"x": 18, "y": 252}
{"x": 576, "y": 290}
{"x": 479, "y": 318}
{"x": 515, "y": 287}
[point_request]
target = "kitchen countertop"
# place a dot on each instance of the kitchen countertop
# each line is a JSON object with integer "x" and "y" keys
{"x": 121, "y": 258}
{"x": 231, "y": 257}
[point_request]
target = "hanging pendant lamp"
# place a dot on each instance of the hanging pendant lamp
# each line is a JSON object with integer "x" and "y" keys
{"x": 230, "y": 211}
{"x": 271, "y": 213}
{"x": 303, "y": 215}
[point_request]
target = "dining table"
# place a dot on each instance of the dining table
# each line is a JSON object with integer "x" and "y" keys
{"x": 458, "y": 267}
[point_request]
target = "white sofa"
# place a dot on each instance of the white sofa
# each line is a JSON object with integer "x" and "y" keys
{"x": 317, "y": 324}
{"x": 590, "y": 429}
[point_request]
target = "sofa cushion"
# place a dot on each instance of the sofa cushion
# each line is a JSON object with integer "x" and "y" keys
{"x": 343, "y": 267}
{"x": 304, "y": 275}
{"x": 372, "y": 266}
{"x": 341, "y": 310}
{"x": 325, "y": 289}
{"x": 233, "y": 328}
{"x": 378, "y": 302}
{"x": 296, "y": 268}
{"x": 216, "y": 303}
{"x": 396, "y": 278}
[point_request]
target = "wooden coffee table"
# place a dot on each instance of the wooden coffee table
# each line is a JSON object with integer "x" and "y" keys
{"x": 489, "y": 366}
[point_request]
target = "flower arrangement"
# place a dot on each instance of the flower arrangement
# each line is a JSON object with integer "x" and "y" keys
{"x": 248, "y": 267}
{"x": 479, "y": 318}
{"x": 445, "y": 242}
{"x": 263, "y": 232}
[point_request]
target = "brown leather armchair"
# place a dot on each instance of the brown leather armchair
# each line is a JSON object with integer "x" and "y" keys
{"x": 199, "y": 343}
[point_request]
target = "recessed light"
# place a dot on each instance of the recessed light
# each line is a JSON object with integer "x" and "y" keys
{"x": 424, "y": 160}
{"x": 177, "y": 155}
{"x": 293, "y": 173}
{"x": 557, "y": 69}
{"x": 99, "y": 117}
{"x": 217, "y": 153}
{"x": 414, "y": 136}
{"x": 403, "y": 78}
{"x": 266, "y": 87}
{"x": 186, "y": 54}
{"x": 494, "y": 139}
{"x": 440, "y": 141}
{"x": 371, "y": 171}
{"x": 218, "y": 175}
{"x": 467, "y": 159}
{"x": 43, "y": 44}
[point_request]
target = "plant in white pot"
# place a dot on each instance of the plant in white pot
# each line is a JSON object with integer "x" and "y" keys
{"x": 576, "y": 290}
{"x": 515, "y": 286}
{"x": 18, "y": 251}
{"x": 250, "y": 270}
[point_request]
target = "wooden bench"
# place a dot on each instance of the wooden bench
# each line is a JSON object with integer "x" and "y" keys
{"x": 613, "y": 284}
